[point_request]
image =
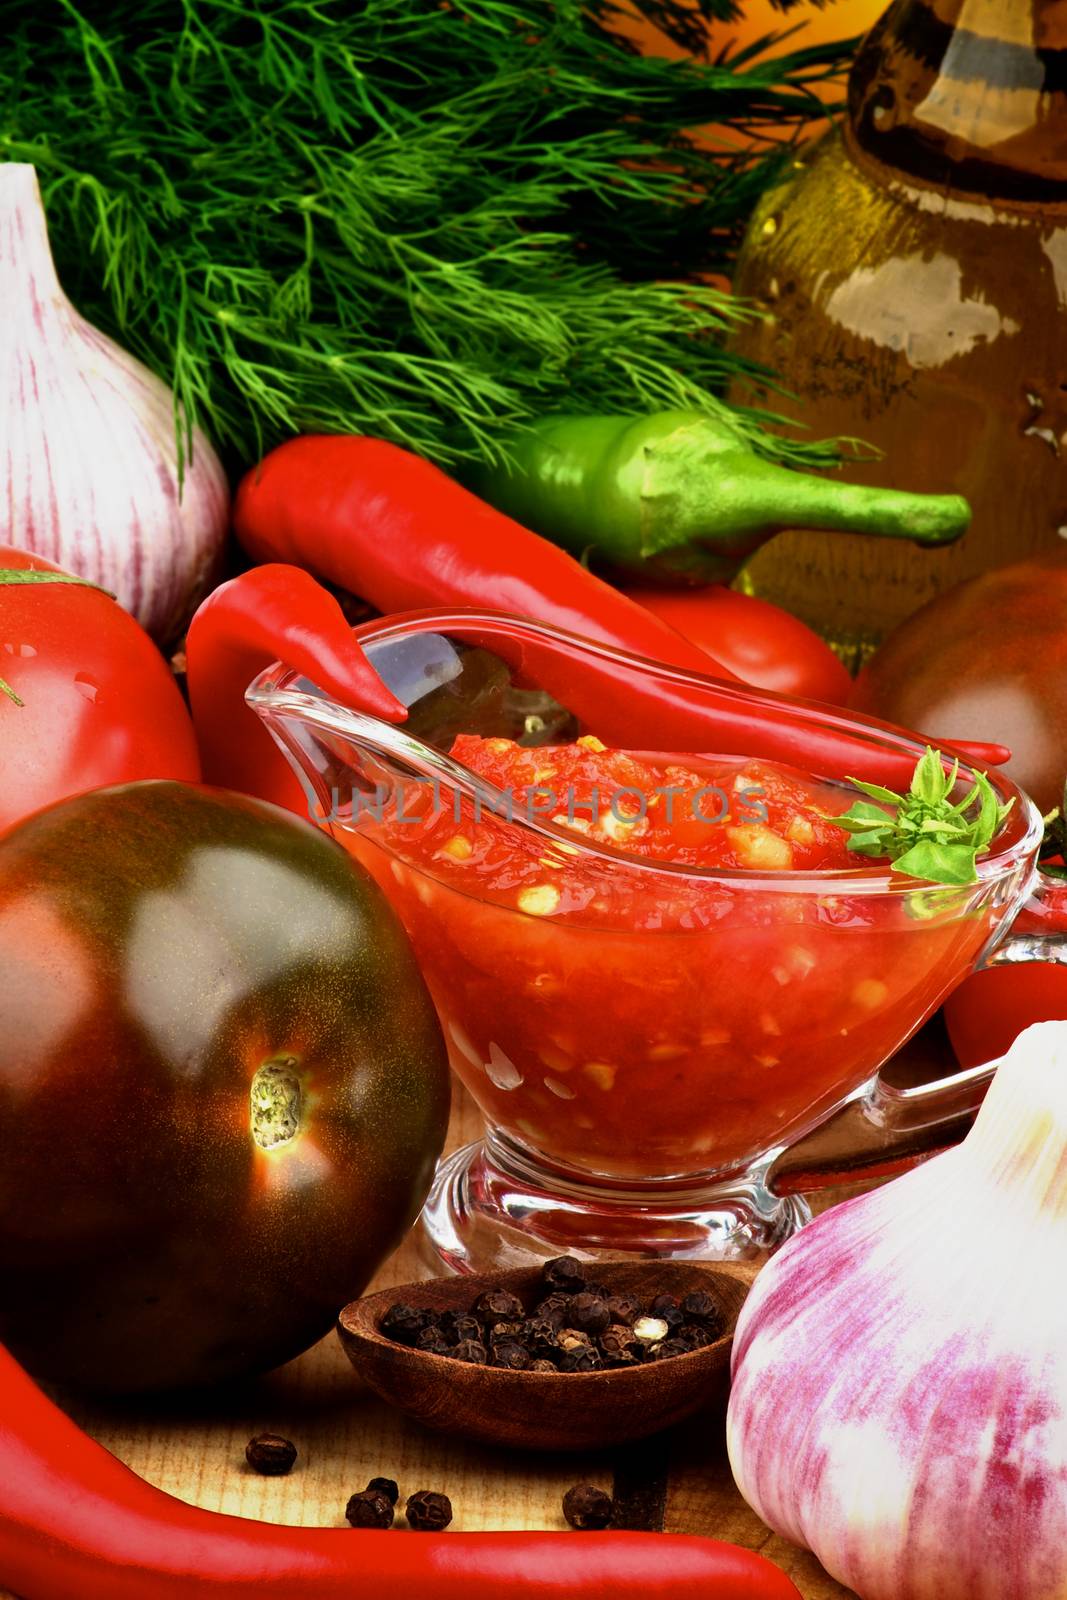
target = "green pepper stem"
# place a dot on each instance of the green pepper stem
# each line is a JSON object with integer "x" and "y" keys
{"x": 706, "y": 509}
{"x": 772, "y": 498}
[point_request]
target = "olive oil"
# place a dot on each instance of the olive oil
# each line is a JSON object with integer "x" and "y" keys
{"x": 913, "y": 271}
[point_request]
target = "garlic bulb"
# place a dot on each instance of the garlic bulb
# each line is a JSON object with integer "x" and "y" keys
{"x": 899, "y": 1400}
{"x": 88, "y": 451}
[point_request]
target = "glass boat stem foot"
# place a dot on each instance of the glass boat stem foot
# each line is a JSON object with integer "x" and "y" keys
{"x": 492, "y": 1207}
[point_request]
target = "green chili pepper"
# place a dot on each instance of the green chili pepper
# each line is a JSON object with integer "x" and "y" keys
{"x": 682, "y": 497}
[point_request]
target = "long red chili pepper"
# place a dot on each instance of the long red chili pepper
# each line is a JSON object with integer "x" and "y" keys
{"x": 400, "y": 533}
{"x": 75, "y": 1524}
{"x": 279, "y": 613}
{"x": 272, "y": 613}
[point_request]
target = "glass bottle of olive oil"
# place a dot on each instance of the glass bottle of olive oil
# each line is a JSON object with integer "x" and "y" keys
{"x": 913, "y": 269}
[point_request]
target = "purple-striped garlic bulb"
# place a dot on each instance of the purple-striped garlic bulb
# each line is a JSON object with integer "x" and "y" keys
{"x": 88, "y": 446}
{"x": 899, "y": 1401}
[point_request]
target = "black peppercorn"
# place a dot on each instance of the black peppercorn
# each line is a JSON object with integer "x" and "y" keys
{"x": 511, "y": 1354}
{"x": 471, "y": 1350}
{"x": 613, "y": 1359}
{"x": 370, "y": 1508}
{"x": 541, "y": 1365}
{"x": 540, "y": 1336}
{"x": 458, "y": 1325}
{"x": 573, "y": 1339}
{"x": 667, "y": 1309}
{"x": 270, "y": 1454}
{"x": 589, "y": 1314}
{"x": 699, "y": 1333}
{"x": 692, "y": 1335}
{"x": 403, "y": 1323}
{"x": 429, "y": 1512}
{"x": 433, "y": 1341}
{"x": 586, "y": 1507}
{"x": 667, "y": 1348}
{"x": 499, "y": 1305}
{"x": 600, "y": 1291}
{"x": 386, "y": 1486}
{"x": 701, "y": 1307}
{"x": 555, "y": 1308}
{"x": 624, "y": 1309}
{"x": 565, "y": 1274}
{"x": 580, "y": 1358}
{"x": 503, "y": 1330}
{"x": 616, "y": 1341}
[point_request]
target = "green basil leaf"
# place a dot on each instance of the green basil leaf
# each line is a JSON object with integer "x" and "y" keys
{"x": 953, "y": 863}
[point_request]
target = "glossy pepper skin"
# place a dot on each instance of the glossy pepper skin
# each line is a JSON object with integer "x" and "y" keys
{"x": 169, "y": 954}
{"x": 375, "y": 519}
{"x": 272, "y": 613}
{"x": 627, "y": 701}
{"x": 75, "y": 1524}
{"x": 681, "y": 497}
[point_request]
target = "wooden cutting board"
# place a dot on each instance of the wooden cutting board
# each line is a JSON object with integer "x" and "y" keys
{"x": 679, "y": 1482}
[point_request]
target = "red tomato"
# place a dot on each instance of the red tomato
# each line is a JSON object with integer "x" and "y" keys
{"x": 985, "y": 660}
{"x": 763, "y": 644}
{"x": 990, "y": 1009}
{"x": 99, "y": 705}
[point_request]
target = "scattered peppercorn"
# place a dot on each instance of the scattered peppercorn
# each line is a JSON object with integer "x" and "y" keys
{"x": 565, "y": 1274}
{"x": 270, "y": 1454}
{"x": 428, "y": 1512}
{"x": 543, "y": 1366}
{"x": 386, "y": 1486}
{"x": 370, "y": 1508}
{"x": 586, "y": 1507}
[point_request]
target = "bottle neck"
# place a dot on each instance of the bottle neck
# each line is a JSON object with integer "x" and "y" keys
{"x": 968, "y": 96}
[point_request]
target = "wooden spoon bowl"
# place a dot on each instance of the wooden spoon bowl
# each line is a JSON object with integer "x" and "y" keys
{"x": 546, "y": 1410}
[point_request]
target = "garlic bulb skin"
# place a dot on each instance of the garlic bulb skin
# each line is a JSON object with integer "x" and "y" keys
{"x": 88, "y": 448}
{"x": 899, "y": 1400}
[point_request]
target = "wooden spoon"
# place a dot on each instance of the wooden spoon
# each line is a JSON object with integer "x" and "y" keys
{"x": 546, "y": 1410}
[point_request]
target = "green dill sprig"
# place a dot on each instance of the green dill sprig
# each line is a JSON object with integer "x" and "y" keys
{"x": 924, "y": 833}
{"x": 431, "y": 222}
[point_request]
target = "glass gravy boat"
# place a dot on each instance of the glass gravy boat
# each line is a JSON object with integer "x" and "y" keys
{"x": 665, "y": 1057}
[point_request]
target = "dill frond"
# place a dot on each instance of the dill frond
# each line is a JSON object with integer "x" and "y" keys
{"x": 429, "y": 221}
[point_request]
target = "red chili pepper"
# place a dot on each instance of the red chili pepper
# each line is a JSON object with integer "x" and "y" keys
{"x": 272, "y": 613}
{"x": 401, "y": 534}
{"x": 397, "y": 531}
{"x": 75, "y": 1524}
{"x": 279, "y": 613}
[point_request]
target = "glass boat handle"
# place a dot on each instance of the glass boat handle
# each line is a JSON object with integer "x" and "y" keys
{"x": 883, "y": 1129}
